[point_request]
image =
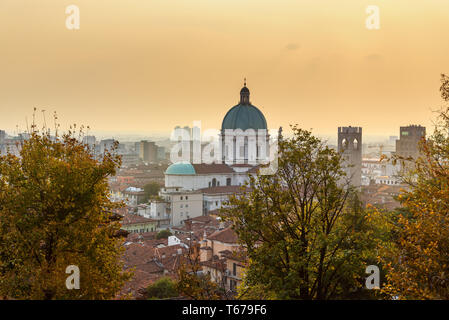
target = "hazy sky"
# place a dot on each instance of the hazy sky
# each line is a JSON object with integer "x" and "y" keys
{"x": 148, "y": 65}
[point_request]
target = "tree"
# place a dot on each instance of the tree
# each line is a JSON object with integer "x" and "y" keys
{"x": 55, "y": 212}
{"x": 418, "y": 263}
{"x": 151, "y": 189}
{"x": 195, "y": 284}
{"x": 163, "y": 234}
{"x": 305, "y": 232}
{"x": 162, "y": 289}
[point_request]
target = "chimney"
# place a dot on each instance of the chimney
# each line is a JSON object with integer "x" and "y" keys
{"x": 188, "y": 224}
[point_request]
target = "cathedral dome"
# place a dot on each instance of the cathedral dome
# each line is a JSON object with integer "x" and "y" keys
{"x": 244, "y": 115}
{"x": 180, "y": 168}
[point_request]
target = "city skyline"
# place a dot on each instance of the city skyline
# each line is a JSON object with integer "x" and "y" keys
{"x": 243, "y": 151}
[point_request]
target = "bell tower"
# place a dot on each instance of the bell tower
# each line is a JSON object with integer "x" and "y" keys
{"x": 350, "y": 146}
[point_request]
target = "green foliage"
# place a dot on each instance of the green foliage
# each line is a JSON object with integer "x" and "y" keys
{"x": 163, "y": 234}
{"x": 151, "y": 189}
{"x": 55, "y": 212}
{"x": 162, "y": 289}
{"x": 418, "y": 260}
{"x": 305, "y": 232}
{"x": 195, "y": 284}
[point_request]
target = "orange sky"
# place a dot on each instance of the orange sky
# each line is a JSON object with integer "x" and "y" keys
{"x": 143, "y": 66}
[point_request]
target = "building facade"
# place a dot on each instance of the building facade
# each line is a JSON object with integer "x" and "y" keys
{"x": 148, "y": 151}
{"x": 350, "y": 146}
{"x": 408, "y": 143}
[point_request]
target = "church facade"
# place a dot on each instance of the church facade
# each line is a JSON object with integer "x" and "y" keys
{"x": 244, "y": 144}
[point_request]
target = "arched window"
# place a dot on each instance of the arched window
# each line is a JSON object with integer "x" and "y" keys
{"x": 356, "y": 144}
{"x": 344, "y": 143}
{"x": 214, "y": 182}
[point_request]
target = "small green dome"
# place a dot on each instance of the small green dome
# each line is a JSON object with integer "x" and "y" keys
{"x": 244, "y": 115}
{"x": 180, "y": 168}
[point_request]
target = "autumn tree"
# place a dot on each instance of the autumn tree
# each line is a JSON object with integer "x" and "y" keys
{"x": 305, "y": 232}
{"x": 193, "y": 282}
{"x": 418, "y": 263}
{"x": 55, "y": 212}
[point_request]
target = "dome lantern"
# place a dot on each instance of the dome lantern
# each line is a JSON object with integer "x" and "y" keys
{"x": 244, "y": 115}
{"x": 244, "y": 94}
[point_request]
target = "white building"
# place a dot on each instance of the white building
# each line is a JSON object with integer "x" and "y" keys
{"x": 192, "y": 190}
{"x": 379, "y": 172}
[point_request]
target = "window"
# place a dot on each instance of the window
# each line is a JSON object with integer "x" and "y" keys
{"x": 180, "y": 206}
{"x": 234, "y": 269}
{"x": 228, "y": 181}
{"x": 214, "y": 182}
{"x": 232, "y": 285}
{"x": 181, "y": 197}
{"x": 187, "y": 205}
{"x": 187, "y": 198}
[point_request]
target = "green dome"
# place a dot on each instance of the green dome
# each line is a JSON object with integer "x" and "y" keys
{"x": 180, "y": 168}
{"x": 244, "y": 115}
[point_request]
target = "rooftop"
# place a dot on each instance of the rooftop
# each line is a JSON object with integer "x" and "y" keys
{"x": 226, "y": 235}
{"x": 129, "y": 219}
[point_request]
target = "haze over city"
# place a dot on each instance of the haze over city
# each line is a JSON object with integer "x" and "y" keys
{"x": 243, "y": 151}
{"x": 140, "y": 67}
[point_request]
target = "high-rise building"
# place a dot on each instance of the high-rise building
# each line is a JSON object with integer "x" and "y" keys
{"x": 89, "y": 140}
{"x": 2, "y": 136}
{"x": 408, "y": 143}
{"x": 148, "y": 151}
{"x": 392, "y": 140}
{"x": 350, "y": 145}
{"x": 106, "y": 145}
{"x": 161, "y": 153}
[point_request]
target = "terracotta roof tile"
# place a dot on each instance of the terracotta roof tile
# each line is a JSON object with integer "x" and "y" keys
{"x": 129, "y": 218}
{"x": 203, "y": 168}
{"x": 226, "y": 235}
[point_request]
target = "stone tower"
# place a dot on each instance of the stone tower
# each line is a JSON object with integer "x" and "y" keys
{"x": 408, "y": 143}
{"x": 350, "y": 144}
